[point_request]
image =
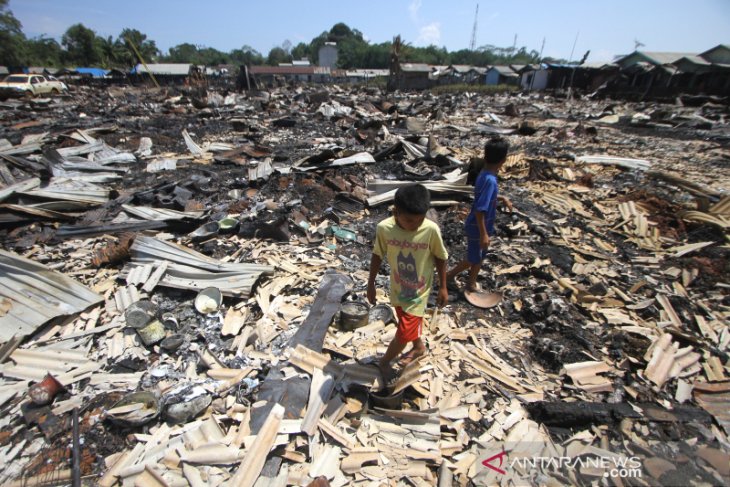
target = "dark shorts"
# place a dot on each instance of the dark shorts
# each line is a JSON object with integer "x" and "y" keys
{"x": 409, "y": 326}
{"x": 474, "y": 252}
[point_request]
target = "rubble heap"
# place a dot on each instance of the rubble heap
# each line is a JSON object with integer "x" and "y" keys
{"x": 174, "y": 264}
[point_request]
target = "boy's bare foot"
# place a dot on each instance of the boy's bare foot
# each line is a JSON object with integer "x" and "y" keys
{"x": 411, "y": 356}
{"x": 387, "y": 372}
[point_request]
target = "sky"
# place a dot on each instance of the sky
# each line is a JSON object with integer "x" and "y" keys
{"x": 568, "y": 27}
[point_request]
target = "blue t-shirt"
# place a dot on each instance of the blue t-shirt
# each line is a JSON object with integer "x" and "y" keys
{"x": 485, "y": 199}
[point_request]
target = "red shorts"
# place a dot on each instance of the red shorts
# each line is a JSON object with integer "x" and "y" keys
{"x": 409, "y": 326}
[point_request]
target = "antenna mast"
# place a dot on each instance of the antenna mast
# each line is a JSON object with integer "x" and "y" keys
{"x": 473, "y": 43}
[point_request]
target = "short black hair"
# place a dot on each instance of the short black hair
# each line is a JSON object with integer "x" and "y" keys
{"x": 495, "y": 151}
{"x": 413, "y": 199}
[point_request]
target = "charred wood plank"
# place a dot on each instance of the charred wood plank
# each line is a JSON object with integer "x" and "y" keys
{"x": 571, "y": 414}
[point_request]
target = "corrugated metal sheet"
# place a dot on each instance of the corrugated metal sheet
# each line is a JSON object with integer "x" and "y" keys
{"x": 415, "y": 68}
{"x": 189, "y": 269}
{"x": 163, "y": 69}
{"x": 67, "y": 189}
{"x": 504, "y": 71}
{"x": 31, "y": 294}
{"x": 300, "y": 70}
{"x": 160, "y": 214}
{"x": 26, "y": 185}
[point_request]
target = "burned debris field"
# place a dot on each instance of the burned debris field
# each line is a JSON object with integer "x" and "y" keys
{"x": 175, "y": 260}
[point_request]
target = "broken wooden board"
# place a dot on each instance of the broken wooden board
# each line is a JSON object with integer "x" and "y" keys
{"x": 251, "y": 465}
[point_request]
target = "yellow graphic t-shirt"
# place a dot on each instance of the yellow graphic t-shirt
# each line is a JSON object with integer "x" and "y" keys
{"x": 411, "y": 259}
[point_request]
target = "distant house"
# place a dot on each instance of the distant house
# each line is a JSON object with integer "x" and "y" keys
{"x": 501, "y": 75}
{"x": 92, "y": 72}
{"x": 670, "y": 73}
{"x": 415, "y": 76}
{"x": 463, "y": 73}
{"x": 306, "y": 74}
{"x": 653, "y": 58}
{"x": 327, "y": 55}
{"x": 707, "y": 72}
{"x": 40, "y": 70}
{"x": 719, "y": 54}
{"x": 97, "y": 76}
{"x": 166, "y": 73}
{"x": 360, "y": 75}
{"x": 533, "y": 77}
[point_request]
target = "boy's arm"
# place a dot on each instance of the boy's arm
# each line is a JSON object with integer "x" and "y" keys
{"x": 375, "y": 262}
{"x": 482, "y": 226}
{"x": 506, "y": 202}
{"x": 443, "y": 295}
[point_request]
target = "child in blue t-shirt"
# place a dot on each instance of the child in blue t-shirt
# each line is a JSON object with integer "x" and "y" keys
{"x": 479, "y": 225}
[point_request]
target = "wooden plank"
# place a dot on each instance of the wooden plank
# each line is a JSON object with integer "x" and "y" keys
{"x": 154, "y": 279}
{"x": 336, "y": 434}
{"x": 9, "y": 347}
{"x": 664, "y": 302}
{"x": 252, "y": 464}
{"x": 234, "y": 321}
{"x": 320, "y": 391}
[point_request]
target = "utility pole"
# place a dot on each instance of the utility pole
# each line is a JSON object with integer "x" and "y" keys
{"x": 473, "y": 43}
{"x": 141, "y": 60}
{"x": 539, "y": 64}
{"x": 572, "y": 74}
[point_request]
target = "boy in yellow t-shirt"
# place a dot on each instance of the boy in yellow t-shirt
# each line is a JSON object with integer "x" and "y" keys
{"x": 412, "y": 246}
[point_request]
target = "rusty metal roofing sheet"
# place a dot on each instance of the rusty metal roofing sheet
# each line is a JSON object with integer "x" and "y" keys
{"x": 31, "y": 294}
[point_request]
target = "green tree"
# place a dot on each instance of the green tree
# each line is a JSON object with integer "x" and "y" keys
{"x": 209, "y": 56}
{"x": 183, "y": 53}
{"x": 276, "y": 56}
{"x": 12, "y": 40}
{"x": 42, "y": 51}
{"x": 82, "y": 48}
{"x": 246, "y": 55}
{"x": 300, "y": 51}
{"x": 110, "y": 52}
{"x": 146, "y": 47}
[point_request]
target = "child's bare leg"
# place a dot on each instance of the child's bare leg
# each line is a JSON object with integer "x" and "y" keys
{"x": 394, "y": 349}
{"x": 473, "y": 274}
{"x": 419, "y": 348}
{"x": 458, "y": 269}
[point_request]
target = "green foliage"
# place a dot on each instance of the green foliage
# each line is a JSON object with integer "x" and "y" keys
{"x": 80, "y": 46}
{"x": 41, "y": 51}
{"x": 128, "y": 41}
{"x": 12, "y": 40}
{"x": 300, "y": 51}
{"x": 277, "y": 55}
{"x": 246, "y": 55}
